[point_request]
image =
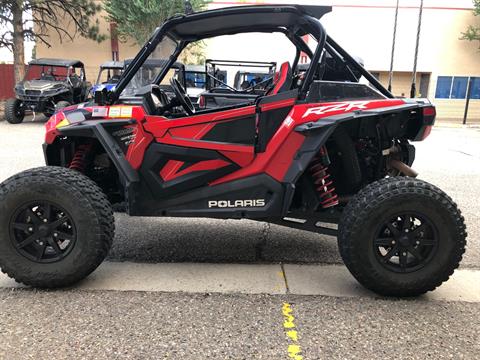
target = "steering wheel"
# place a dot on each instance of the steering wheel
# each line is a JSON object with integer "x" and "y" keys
{"x": 182, "y": 97}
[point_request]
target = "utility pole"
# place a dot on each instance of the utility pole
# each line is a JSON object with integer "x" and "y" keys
{"x": 390, "y": 75}
{"x": 413, "y": 90}
{"x": 467, "y": 102}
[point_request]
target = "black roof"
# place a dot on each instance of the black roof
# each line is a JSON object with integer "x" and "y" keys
{"x": 112, "y": 65}
{"x": 240, "y": 19}
{"x": 56, "y": 62}
{"x": 156, "y": 63}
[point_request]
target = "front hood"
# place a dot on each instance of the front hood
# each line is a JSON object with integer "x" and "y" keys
{"x": 42, "y": 85}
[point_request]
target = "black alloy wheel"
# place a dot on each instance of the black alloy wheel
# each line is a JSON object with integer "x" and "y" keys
{"x": 43, "y": 232}
{"x": 406, "y": 242}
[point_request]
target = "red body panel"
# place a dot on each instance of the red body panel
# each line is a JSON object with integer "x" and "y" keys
{"x": 189, "y": 131}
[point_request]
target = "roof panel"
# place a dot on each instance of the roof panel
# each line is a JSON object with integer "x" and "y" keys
{"x": 55, "y": 62}
{"x": 241, "y": 18}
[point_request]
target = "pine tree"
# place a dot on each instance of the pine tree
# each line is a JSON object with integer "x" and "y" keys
{"x": 47, "y": 17}
{"x": 138, "y": 18}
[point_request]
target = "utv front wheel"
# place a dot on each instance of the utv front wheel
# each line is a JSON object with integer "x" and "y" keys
{"x": 60, "y": 105}
{"x": 14, "y": 112}
{"x": 401, "y": 237}
{"x": 56, "y": 227}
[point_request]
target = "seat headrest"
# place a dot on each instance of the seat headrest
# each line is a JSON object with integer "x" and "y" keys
{"x": 283, "y": 79}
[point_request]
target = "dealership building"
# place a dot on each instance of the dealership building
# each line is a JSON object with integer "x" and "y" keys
{"x": 447, "y": 68}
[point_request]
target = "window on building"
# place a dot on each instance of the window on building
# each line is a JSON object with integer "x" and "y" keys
{"x": 475, "y": 84}
{"x": 459, "y": 87}
{"x": 444, "y": 86}
{"x": 455, "y": 87}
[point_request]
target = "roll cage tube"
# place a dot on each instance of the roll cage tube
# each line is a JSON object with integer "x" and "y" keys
{"x": 136, "y": 63}
{"x": 318, "y": 31}
{"x": 308, "y": 24}
{"x": 295, "y": 39}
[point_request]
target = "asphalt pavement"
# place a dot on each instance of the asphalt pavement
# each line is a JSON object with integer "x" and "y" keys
{"x": 99, "y": 324}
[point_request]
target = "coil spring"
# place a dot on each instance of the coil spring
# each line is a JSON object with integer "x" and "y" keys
{"x": 321, "y": 178}
{"x": 78, "y": 160}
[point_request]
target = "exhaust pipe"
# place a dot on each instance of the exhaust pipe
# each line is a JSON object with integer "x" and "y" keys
{"x": 402, "y": 167}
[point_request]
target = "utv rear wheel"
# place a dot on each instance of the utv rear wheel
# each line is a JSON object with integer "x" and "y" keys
{"x": 14, "y": 113}
{"x": 56, "y": 227}
{"x": 401, "y": 237}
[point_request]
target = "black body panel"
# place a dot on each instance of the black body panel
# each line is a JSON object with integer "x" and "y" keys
{"x": 268, "y": 124}
{"x": 195, "y": 203}
{"x": 157, "y": 156}
{"x": 237, "y": 131}
{"x": 330, "y": 91}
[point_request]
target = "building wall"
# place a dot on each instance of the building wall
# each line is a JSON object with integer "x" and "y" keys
{"x": 401, "y": 82}
{"x": 90, "y": 52}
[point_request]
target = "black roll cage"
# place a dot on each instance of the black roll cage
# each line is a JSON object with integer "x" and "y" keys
{"x": 307, "y": 25}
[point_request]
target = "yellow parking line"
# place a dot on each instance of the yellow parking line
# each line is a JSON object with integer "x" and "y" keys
{"x": 294, "y": 349}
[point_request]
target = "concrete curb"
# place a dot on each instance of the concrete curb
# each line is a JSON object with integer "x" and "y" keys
{"x": 326, "y": 280}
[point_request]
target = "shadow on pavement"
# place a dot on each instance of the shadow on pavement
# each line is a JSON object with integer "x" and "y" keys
{"x": 217, "y": 241}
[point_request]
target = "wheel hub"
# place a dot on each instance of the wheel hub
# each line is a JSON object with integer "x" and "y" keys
{"x": 406, "y": 242}
{"x": 42, "y": 232}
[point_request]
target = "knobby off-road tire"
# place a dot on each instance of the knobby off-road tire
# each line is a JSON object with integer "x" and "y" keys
{"x": 424, "y": 251}
{"x": 13, "y": 114}
{"x": 58, "y": 106}
{"x": 61, "y": 104}
{"x": 74, "y": 208}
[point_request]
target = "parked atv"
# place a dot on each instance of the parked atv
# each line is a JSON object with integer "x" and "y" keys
{"x": 49, "y": 85}
{"x": 307, "y": 153}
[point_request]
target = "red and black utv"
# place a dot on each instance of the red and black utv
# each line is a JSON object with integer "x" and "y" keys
{"x": 306, "y": 153}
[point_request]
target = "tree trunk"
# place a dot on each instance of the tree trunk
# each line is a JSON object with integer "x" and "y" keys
{"x": 18, "y": 45}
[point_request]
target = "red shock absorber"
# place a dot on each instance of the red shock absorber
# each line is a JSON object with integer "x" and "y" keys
{"x": 321, "y": 178}
{"x": 78, "y": 161}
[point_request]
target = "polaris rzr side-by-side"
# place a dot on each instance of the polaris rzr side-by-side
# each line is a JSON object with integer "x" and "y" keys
{"x": 49, "y": 85}
{"x": 328, "y": 156}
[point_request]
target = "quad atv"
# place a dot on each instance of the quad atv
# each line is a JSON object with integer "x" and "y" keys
{"x": 49, "y": 85}
{"x": 108, "y": 76}
{"x": 328, "y": 156}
